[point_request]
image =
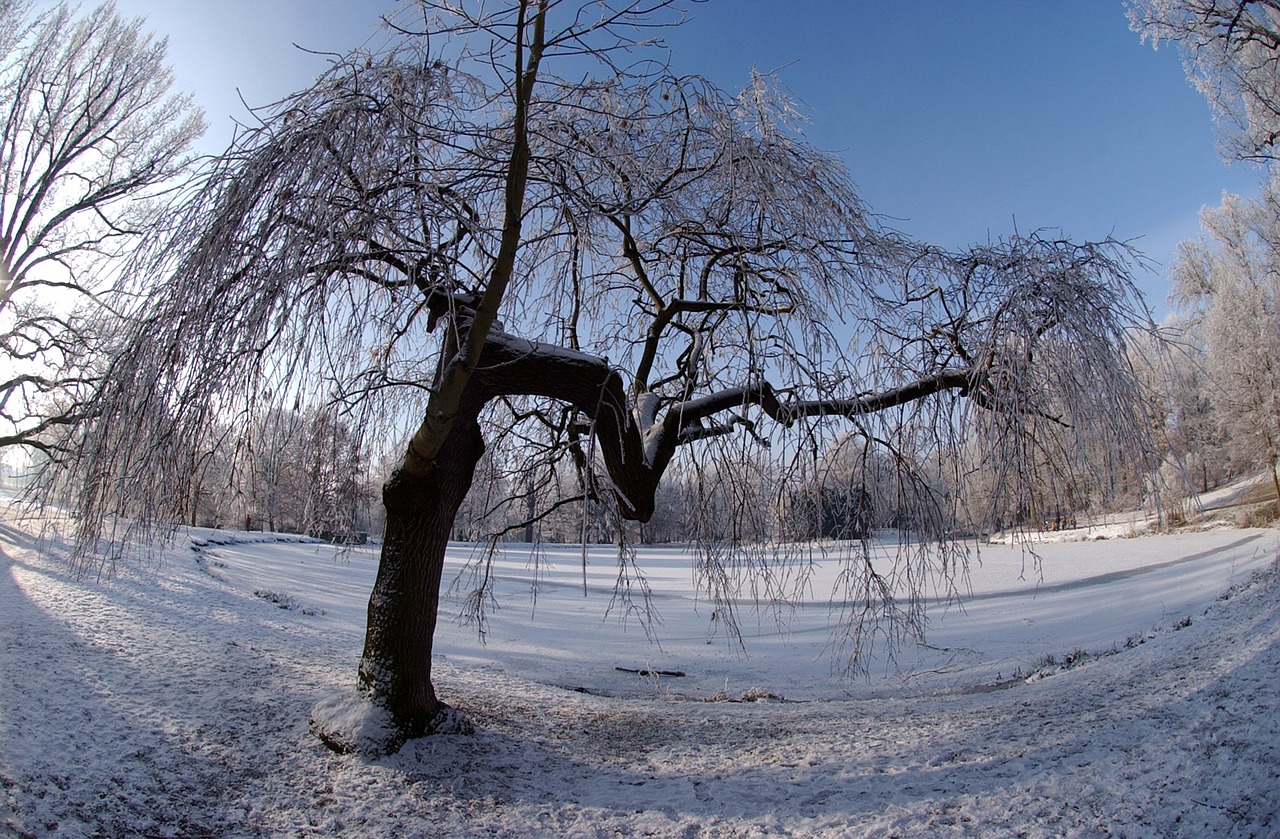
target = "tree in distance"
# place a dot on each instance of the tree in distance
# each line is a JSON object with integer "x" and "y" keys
{"x": 1226, "y": 283}
{"x": 607, "y": 270}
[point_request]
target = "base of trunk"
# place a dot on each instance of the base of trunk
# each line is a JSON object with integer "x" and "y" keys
{"x": 349, "y": 722}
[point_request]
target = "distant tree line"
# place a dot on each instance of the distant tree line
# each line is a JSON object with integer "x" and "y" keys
{"x": 294, "y": 471}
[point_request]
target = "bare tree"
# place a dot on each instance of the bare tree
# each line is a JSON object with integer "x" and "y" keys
{"x": 1199, "y": 439}
{"x": 302, "y": 472}
{"x": 89, "y": 137}
{"x": 335, "y": 474}
{"x": 611, "y": 275}
{"x": 273, "y": 459}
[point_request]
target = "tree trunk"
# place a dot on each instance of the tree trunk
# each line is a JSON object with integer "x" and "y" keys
{"x": 422, "y": 500}
{"x": 396, "y": 666}
{"x": 1275, "y": 477}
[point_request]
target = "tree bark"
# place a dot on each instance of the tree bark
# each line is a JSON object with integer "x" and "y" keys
{"x": 396, "y": 665}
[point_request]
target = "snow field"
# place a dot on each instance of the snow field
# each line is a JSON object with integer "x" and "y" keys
{"x": 172, "y": 701}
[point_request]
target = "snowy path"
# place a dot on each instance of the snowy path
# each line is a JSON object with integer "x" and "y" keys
{"x": 173, "y": 703}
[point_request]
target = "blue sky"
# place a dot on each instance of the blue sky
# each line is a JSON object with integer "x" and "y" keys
{"x": 957, "y": 119}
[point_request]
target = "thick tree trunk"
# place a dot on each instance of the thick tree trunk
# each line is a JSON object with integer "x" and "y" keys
{"x": 396, "y": 666}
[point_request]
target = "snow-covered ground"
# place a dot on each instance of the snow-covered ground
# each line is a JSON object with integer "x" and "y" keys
{"x": 173, "y": 701}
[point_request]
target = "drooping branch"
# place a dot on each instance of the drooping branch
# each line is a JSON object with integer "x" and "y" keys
{"x": 668, "y": 313}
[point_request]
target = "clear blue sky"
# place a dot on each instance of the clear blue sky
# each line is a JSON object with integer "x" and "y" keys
{"x": 957, "y": 119}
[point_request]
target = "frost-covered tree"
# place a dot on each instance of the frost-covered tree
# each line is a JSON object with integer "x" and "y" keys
{"x": 1231, "y": 50}
{"x": 1229, "y": 281}
{"x": 90, "y": 138}
{"x": 1200, "y": 457}
{"x": 301, "y": 471}
{"x": 616, "y": 272}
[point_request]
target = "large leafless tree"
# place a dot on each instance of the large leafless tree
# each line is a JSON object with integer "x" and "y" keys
{"x": 90, "y": 137}
{"x": 612, "y": 268}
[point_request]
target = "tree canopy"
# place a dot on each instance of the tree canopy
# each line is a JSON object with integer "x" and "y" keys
{"x": 1231, "y": 51}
